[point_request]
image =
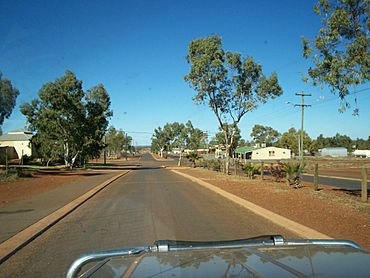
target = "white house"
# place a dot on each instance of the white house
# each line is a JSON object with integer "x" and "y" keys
{"x": 268, "y": 153}
{"x": 18, "y": 139}
{"x": 271, "y": 153}
{"x": 361, "y": 153}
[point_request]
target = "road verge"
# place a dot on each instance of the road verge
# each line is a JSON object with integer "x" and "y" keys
{"x": 21, "y": 239}
{"x": 277, "y": 219}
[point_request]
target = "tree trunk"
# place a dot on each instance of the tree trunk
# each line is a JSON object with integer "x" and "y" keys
{"x": 162, "y": 152}
{"x": 179, "y": 163}
{"x": 227, "y": 158}
{"x": 227, "y": 162}
{"x": 66, "y": 154}
{"x": 74, "y": 159}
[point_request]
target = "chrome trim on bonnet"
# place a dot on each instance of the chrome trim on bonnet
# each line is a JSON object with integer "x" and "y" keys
{"x": 91, "y": 257}
{"x": 170, "y": 245}
{"x": 330, "y": 242}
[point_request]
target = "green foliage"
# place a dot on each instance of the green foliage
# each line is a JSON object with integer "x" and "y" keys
{"x": 212, "y": 164}
{"x": 293, "y": 170}
{"x": 14, "y": 174}
{"x": 219, "y": 138}
{"x": 193, "y": 157}
{"x": 69, "y": 122}
{"x": 251, "y": 169}
{"x": 345, "y": 141}
{"x": 177, "y": 135}
{"x": 196, "y": 138}
{"x": 228, "y": 83}
{"x": 289, "y": 140}
{"x": 8, "y": 96}
{"x": 26, "y": 159}
{"x": 115, "y": 141}
{"x": 265, "y": 134}
{"x": 340, "y": 51}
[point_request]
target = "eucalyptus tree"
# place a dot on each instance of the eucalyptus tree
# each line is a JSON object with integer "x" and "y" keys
{"x": 177, "y": 135}
{"x": 196, "y": 138}
{"x": 8, "y": 97}
{"x": 219, "y": 138}
{"x": 228, "y": 83}
{"x": 159, "y": 141}
{"x": 265, "y": 134}
{"x": 66, "y": 116}
{"x": 115, "y": 141}
{"x": 340, "y": 51}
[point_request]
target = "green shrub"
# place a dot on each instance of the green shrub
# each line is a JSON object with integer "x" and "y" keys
{"x": 251, "y": 169}
{"x": 293, "y": 170}
{"x": 26, "y": 159}
{"x": 193, "y": 157}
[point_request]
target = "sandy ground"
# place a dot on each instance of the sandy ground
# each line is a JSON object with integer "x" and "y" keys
{"x": 40, "y": 181}
{"x": 337, "y": 213}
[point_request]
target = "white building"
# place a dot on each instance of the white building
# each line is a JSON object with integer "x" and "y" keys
{"x": 18, "y": 139}
{"x": 271, "y": 153}
{"x": 268, "y": 153}
{"x": 334, "y": 152}
{"x": 361, "y": 153}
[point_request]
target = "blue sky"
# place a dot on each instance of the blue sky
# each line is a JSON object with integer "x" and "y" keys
{"x": 137, "y": 50}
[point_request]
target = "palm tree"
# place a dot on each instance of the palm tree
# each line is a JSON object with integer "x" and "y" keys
{"x": 294, "y": 169}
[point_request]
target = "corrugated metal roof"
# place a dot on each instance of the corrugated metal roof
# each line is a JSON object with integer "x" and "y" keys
{"x": 334, "y": 148}
{"x": 245, "y": 149}
{"x": 16, "y": 137}
{"x": 20, "y": 130}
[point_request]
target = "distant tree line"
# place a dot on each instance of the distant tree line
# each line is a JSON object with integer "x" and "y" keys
{"x": 185, "y": 136}
{"x": 117, "y": 143}
{"x": 267, "y": 135}
{"x": 178, "y": 136}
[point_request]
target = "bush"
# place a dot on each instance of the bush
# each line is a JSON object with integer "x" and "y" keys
{"x": 211, "y": 164}
{"x": 193, "y": 157}
{"x": 251, "y": 169}
{"x": 277, "y": 172}
{"x": 14, "y": 174}
{"x": 293, "y": 170}
{"x": 26, "y": 159}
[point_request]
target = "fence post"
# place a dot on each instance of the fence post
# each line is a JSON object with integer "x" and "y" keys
{"x": 262, "y": 168}
{"x": 6, "y": 160}
{"x": 316, "y": 177}
{"x": 364, "y": 184}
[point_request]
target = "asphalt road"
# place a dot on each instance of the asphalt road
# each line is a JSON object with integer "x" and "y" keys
{"x": 148, "y": 204}
{"x": 348, "y": 184}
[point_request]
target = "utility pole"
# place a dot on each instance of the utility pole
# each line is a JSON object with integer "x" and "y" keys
{"x": 105, "y": 149}
{"x": 302, "y": 105}
{"x": 126, "y": 145}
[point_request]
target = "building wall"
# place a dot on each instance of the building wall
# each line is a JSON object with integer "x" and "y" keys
{"x": 21, "y": 147}
{"x": 271, "y": 153}
{"x": 361, "y": 153}
{"x": 335, "y": 152}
